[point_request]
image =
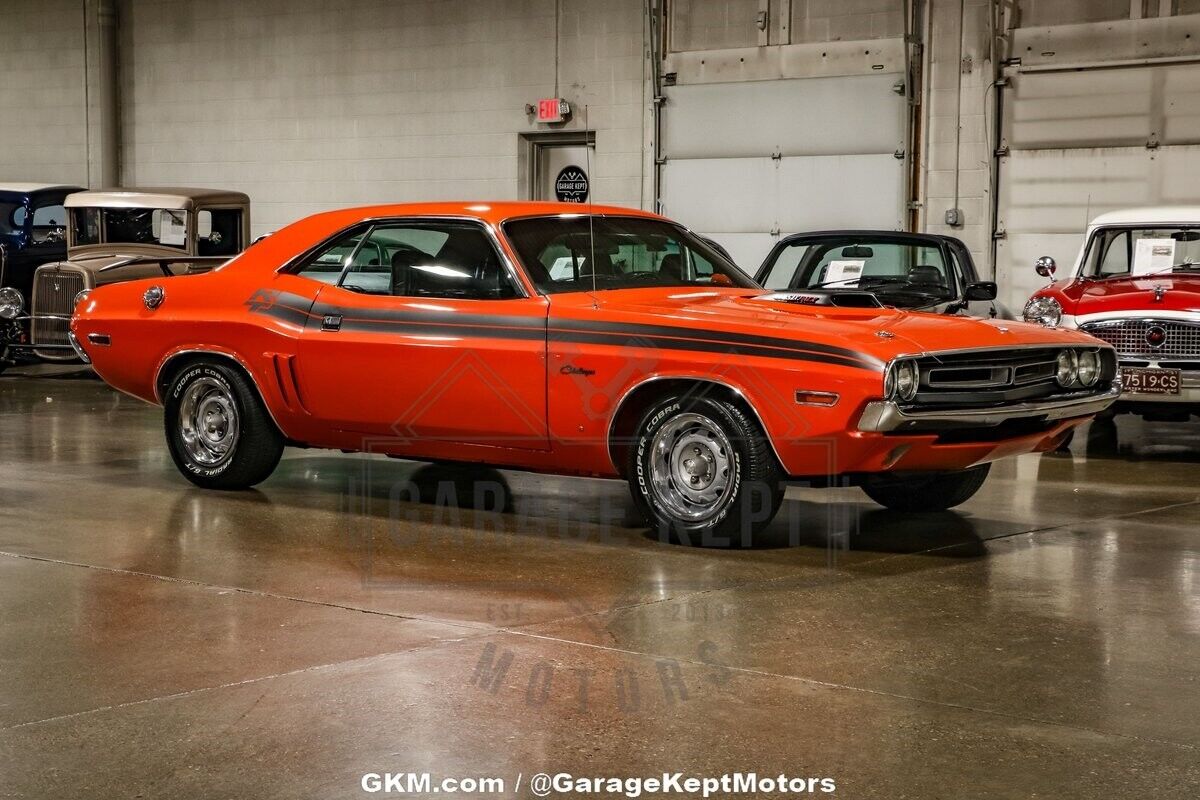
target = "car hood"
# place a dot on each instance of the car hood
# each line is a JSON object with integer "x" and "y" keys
{"x": 877, "y": 333}
{"x": 1176, "y": 293}
{"x": 95, "y": 262}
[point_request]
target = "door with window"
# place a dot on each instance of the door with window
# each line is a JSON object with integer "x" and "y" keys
{"x": 421, "y": 334}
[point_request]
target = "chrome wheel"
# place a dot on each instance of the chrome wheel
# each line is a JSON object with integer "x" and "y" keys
{"x": 691, "y": 467}
{"x": 208, "y": 422}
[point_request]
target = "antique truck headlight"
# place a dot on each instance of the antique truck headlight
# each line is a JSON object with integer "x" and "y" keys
{"x": 1044, "y": 311}
{"x": 1089, "y": 367}
{"x": 11, "y": 303}
{"x": 1066, "y": 368}
{"x": 901, "y": 380}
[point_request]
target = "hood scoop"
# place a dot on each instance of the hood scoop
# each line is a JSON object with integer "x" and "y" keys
{"x": 824, "y": 297}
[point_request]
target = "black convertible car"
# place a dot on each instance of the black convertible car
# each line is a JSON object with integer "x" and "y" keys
{"x": 921, "y": 271}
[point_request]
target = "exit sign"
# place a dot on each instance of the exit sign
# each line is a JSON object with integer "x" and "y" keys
{"x": 553, "y": 109}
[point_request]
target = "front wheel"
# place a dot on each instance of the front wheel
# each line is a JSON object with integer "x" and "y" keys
{"x": 702, "y": 470}
{"x": 218, "y": 430}
{"x": 932, "y": 491}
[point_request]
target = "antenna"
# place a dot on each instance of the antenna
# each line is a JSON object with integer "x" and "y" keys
{"x": 587, "y": 162}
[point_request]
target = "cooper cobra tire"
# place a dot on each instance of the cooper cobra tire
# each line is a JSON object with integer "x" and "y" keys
{"x": 218, "y": 431}
{"x": 934, "y": 491}
{"x": 701, "y": 469}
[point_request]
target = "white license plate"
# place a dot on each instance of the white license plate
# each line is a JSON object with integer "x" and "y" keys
{"x": 1137, "y": 380}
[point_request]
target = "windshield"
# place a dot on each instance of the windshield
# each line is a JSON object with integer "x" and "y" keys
{"x": 161, "y": 226}
{"x": 913, "y": 271}
{"x": 1130, "y": 252}
{"x": 573, "y": 253}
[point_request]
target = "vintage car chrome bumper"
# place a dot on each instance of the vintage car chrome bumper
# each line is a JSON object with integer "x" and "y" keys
{"x": 83, "y": 356}
{"x": 884, "y": 416}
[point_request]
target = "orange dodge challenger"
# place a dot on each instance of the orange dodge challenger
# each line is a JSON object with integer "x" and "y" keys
{"x": 611, "y": 343}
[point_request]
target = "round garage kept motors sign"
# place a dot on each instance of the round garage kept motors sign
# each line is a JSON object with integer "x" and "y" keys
{"x": 571, "y": 185}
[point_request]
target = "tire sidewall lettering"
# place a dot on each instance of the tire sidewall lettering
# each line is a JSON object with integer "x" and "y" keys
{"x": 643, "y": 442}
{"x": 178, "y": 387}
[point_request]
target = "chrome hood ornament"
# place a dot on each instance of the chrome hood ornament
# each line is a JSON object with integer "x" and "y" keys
{"x": 1159, "y": 290}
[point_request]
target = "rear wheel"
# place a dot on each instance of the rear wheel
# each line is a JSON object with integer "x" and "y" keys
{"x": 932, "y": 491}
{"x": 702, "y": 470}
{"x": 218, "y": 430}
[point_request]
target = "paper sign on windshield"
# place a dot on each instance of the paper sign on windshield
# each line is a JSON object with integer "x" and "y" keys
{"x": 844, "y": 273}
{"x": 1153, "y": 255}
{"x": 174, "y": 229}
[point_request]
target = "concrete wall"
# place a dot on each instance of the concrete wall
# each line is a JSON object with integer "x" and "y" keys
{"x": 959, "y": 125}
{"x": 42, "y": 108}
{"x": 307, "y": 104}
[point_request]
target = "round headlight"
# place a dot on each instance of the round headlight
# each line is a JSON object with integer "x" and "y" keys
{"x": 1044, "y": 311}
{"x": 1089, "y": 367}
{"x": 11, "y": 303}
{"x": 1067, "y": 368}
{"x": 906, "y": 380}
{"x": 79, "y": 298}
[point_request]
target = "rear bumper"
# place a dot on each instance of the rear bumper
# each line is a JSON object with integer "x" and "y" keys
{"x": 884, "y": 416}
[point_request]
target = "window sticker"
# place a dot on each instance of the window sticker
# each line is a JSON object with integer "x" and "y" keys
{"x": 844, "y": 273}
{"x": 1153, "y": 255}
{"x": 174, "y": 228}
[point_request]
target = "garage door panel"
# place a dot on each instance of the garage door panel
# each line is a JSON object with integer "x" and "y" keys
{"x": 809, "y": 116}
{"x": 841, "y": 192}
{"x": 721, "y": 194}
{"x": 1016, "y": 255}
{"x": 1103, "y": 107}
{"x": 1179, "y": 175}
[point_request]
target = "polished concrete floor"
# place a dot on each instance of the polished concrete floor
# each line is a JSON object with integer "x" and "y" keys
{"x": 359, "y": 615}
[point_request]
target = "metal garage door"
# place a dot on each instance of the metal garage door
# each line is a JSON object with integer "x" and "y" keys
{"x": 746, "y": 161}
{"x": 1085, "y": 142}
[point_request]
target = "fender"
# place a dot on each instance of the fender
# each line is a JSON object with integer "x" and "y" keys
{"x": 268, "y": 399}
{"x": 656, "y": 378}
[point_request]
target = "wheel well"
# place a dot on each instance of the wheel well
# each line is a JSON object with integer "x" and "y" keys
{"x": 635, "y": 404}
{"x": 178, "y": 363}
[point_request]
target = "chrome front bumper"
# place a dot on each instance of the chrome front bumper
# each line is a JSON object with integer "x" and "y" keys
{"x": 79, "y": 351}
{"x": 884, "y": 416}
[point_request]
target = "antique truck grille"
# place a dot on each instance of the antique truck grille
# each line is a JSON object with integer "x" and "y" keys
{"x": 1148, "y": 338}
{"x": 996, "y": 377}
{"x": 53, "y": 303}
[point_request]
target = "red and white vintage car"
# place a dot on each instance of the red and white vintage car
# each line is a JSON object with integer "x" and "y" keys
{"x": 1136, "y": 286}
{"x": 612, "y": 343}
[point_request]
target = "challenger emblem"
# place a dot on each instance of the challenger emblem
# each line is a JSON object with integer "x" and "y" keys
{"x": 262, "y": 300}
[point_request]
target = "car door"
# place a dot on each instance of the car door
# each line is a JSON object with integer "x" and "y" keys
{"x": 421, "y": 335}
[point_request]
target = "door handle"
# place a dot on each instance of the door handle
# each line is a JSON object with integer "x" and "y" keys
{"x": 331, "y": 322}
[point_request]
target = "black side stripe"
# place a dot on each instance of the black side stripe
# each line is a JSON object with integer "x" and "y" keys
{"x": 440, "y": 317}
{"x": 293, "y": 310}
{"x": 674, "y": 331}
{"x": 725, "y": 348}
{"x": 436, "y": 329}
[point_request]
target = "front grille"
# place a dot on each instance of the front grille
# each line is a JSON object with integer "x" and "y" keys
{"x": 1132, "y": 337}
{"x": 54, "y": 294}
{"x": 985, "y": 378}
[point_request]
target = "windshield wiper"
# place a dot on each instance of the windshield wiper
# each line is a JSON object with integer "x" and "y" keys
{"x": 1185, "y": 266}
{"x": 862, "y": 282}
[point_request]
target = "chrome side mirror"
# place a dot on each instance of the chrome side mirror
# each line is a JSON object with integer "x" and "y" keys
{"x": 1046, "y": 267}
